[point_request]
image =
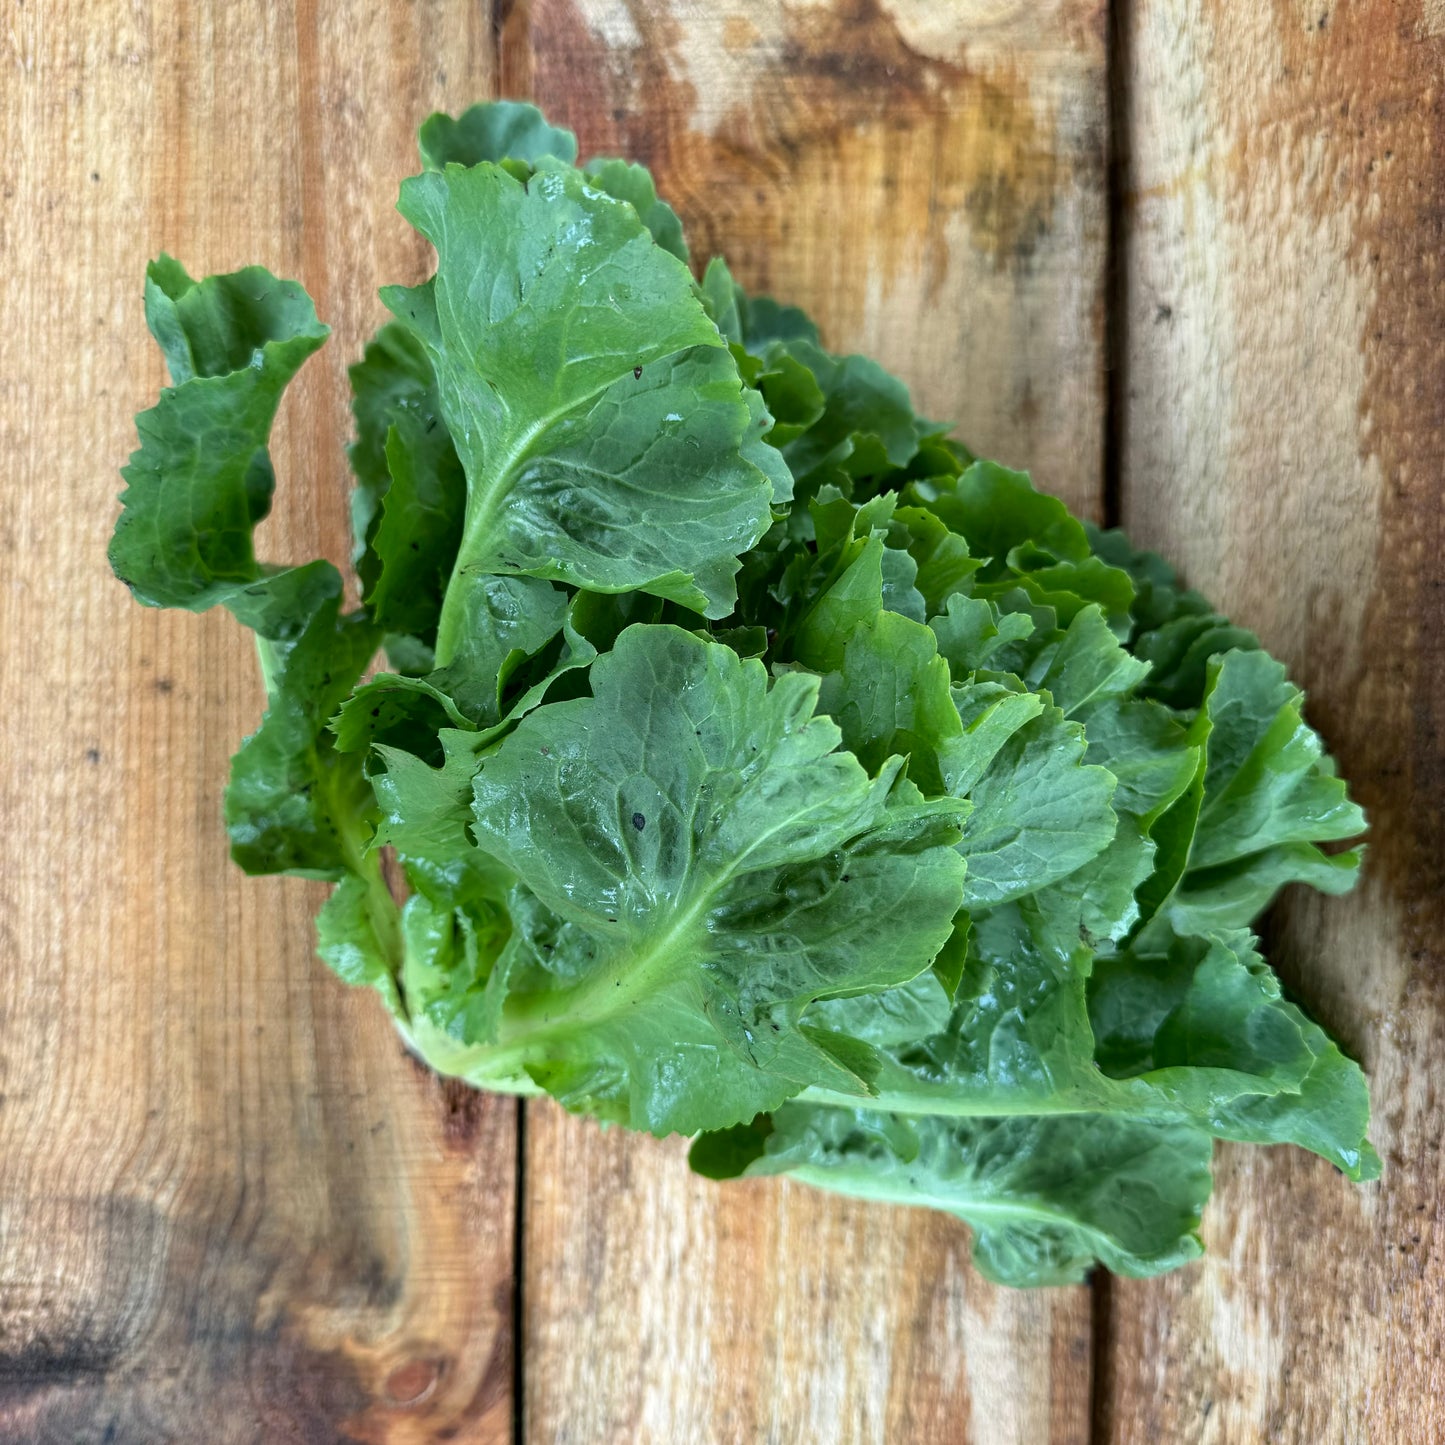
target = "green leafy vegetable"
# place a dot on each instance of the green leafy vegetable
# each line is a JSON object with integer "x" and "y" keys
{"x": 598, "y": 416}
{"x": 716, "y": 864}
{"x": 1046, "y": 1197}
{"x": 757, "y": 763}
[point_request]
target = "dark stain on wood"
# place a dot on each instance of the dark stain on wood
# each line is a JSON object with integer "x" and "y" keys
{"x": 172, "y": 1289}
{"x": 463, "y": 1113}
{"x": 842, "y": 85}
{"x": 495, "y": 1387}
{"x": 879, "y": 75}
{"x": 41, "y": 1362}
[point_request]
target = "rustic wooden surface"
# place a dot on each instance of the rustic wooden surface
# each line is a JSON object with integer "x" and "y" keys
{"x": 230, "y": 1209}
{"x": 1284, "y": 438}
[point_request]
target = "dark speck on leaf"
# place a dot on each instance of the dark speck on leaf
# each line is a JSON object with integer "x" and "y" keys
{"x": 431, "y": 426}
{"x": 637, "y": 373}
{"x": 847, "y": 876}
{"x": 546, "y": 752}
{"x": 639, "y": 822}
{"x": 376, "y": 712}
{"x": 416, "y": 546}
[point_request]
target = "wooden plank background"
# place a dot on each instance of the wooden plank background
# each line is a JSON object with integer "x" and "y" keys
{"x": 231, "y": 1210}
{"x": 1283, "y": 437}
{"x": 917, "y": 183}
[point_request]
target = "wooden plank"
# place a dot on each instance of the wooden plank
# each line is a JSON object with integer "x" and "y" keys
{"x": 1284, "y": 438}
{"x": 231, "y": 1210}
{"x": 929, "y": 182}
{"x": 658, "y": 1307}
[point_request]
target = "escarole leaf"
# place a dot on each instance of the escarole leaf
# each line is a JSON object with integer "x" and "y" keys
{"x": 416, "y": 538}
{"x": 200, "y": 483}
{"x": 1039, "y": 812}
{"x": 358, "y": 939}
{"x": 426, "y": 814}
{"x": 860, "y": 400}
{"x": 295, "y": 803}
{"x": 1031, "y": 540}
{"x": 517, "y": 135}
{"x": 198, "y": 486}
{"x": 392, "y": 381}
{"x": 633, "y": 184}
{"x": 707, "y": 862}
{"x": 1047, "y": 1197}
{"x": 971, "y": 631}
{"x": 1186, "y": 1030}
{"x": 1262, "y": 783}
{"x": 1139, "y": 744}
{"x": 411, "y": 490}
{"x": 201, "y": 479}
{"x": 1268, "y": 796}
{"x": 411, "y": 713}
{"x": 598, "y": 415}
{"x": 1173, "y": 629}
{"x": 503, "y": 621}
{"x": 751, "y": 321}
{"x": 495, "y": 131}
{"x": 1085, "y": 664}
{"x": 1203, "y": 1023}
{"x": 1194, "y": 1040}
{"x": 884, "y": 682}
{"x": 891, "y": 696}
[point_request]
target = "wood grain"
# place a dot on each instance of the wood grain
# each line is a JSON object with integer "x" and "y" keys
{"x": 929, "y": 181}
{"x": 231, "y": 1209}
{"x": 1284, "y": 438}
{"x": 659, "y": 1307}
